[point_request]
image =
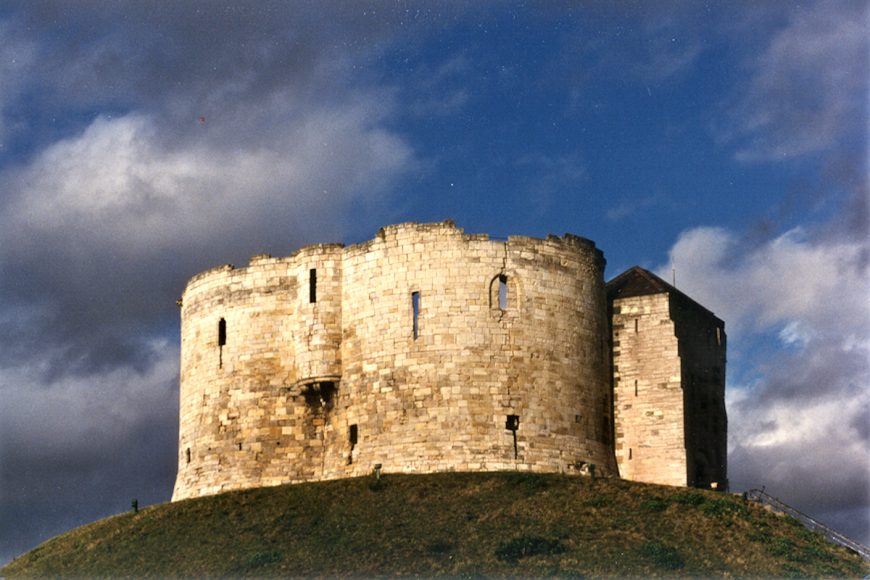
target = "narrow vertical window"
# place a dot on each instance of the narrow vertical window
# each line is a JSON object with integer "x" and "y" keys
{"x": 635, "y": 324}
{"x": 635, "y": 387}
{"x": 502, "y": 292}
{"x": 629, "y": 453}
{"x": 222, "y": 332}
{"x": 718, "y": 336}
{"x": 512, "y": 423}
{"x": 222, "y": 340}
{"x": 353, "y": 437}
{"x": 188, "y": 454}
{"x": 415, "y": 307}
{"x": 312, "y": 285}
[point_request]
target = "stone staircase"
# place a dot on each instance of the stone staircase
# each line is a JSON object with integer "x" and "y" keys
{"x": 776, "y": 504}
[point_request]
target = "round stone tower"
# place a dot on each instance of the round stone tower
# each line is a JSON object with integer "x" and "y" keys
{"x": 424, "y": 349}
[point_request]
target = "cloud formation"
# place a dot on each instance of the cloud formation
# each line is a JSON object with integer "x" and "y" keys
{"x": 83, "y": 448}
{"x": 171, "y": 153}
{"x": 143, "y": 142}
{"x": 807, "y": 88}
{"x": 798, "y": 416}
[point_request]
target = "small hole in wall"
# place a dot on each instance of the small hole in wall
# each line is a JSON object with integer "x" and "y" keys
{"x": 635, "y": 387}
{"x": 188, "y": 454}
{"x": 240, "y": 446}
{"x": 635, "y": 324}
{"x": 578, "y": 418}
{"x": 629, "y": 452}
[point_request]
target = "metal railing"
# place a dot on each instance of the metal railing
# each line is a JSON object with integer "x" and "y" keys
{"x": 764, "y": 498}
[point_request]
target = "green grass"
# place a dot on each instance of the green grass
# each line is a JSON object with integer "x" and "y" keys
{"x": 456, "y": 524}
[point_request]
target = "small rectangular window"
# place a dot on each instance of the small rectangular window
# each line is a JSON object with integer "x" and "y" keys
{"x": 635, "y": 387}
{"x": 415, "y": 307}
{"x": 502, "y": 292}
{"x": 188, "y": 454}
{"x": 312, "y": 285}
{"x": 635, "y": 324}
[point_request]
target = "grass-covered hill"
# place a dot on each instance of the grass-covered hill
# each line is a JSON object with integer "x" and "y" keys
{"x": 457, "y": 524}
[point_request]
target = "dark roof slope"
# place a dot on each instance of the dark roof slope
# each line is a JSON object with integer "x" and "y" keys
{"x": 639, "y": 282}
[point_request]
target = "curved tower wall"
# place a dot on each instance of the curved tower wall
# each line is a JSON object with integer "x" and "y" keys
{"x": 250, "y": 407}
{"x": 306, "y": 390}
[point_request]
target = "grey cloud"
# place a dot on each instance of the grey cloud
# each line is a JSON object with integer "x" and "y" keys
{"x": 104, "y": 226}
{"x": 829, "y": 484}
{"x": 103, "y": 219}
{"x": 82, "y": 448}
{"x": 801, "y": 431}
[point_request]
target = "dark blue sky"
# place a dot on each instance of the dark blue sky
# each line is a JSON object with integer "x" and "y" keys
{"x": 142, "y": 142}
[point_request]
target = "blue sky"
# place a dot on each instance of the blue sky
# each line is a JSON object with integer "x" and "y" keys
{"x": 142, "y": 142}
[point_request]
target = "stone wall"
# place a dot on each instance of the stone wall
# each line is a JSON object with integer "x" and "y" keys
{"x": 702, "y": 343}
{"x": 648, "y": 394}
{"x": 424, "y": 349}
{"x": 669, "y": 389}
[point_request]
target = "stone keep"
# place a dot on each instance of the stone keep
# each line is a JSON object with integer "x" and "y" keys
{"x": 668, "y": 384}
{"x": 422, "y": 350}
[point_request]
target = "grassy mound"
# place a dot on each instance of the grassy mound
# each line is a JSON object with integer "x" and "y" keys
{"x": 458, "y": 524}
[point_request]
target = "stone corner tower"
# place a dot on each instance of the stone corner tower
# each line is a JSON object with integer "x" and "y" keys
{"x": 668, "y": 384}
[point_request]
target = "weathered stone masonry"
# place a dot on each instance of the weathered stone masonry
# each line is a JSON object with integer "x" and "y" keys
{"x": 424, "y": 349}
{"x": 669, "y": 384}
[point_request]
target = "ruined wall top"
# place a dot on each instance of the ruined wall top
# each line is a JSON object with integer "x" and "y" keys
{"x": 405, "y": 232}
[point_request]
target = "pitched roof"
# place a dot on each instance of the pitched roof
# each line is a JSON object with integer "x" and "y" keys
{"x": 637, "y": 281}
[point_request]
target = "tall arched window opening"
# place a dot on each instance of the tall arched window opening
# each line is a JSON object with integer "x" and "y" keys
{"x": 415, "y": 308}
{"x": 502, "y": 292}
{"x": 222, "y": 340}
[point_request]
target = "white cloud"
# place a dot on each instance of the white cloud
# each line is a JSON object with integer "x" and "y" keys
{"x": 789, "y": 280}
{"x": 102, "y": 228}
{"x": 119, "y": 183}
{"x": 808, "y": 87}
{"x": 800, "y": 425}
